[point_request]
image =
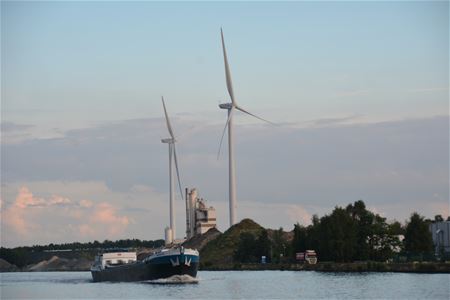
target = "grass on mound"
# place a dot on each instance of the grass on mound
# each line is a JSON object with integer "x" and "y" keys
{"x": 220, "y": 251}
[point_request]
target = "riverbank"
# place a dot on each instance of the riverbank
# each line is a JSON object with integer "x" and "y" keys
{"x": 411, "y": 267}
{"x": 218, "y": 251}
{"x": 60, "y": 264}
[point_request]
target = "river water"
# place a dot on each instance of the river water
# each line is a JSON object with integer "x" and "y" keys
{"x": 232, "y": 285}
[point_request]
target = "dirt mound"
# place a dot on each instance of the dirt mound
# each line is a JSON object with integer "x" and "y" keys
{"x": 220, "y": 250}
{"x": 7, "y": 267}
{"x": 61, "y": 264}
{"x": 199, "y": 242}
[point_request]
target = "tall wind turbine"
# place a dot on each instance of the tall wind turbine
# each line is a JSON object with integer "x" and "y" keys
{"x": 172, "y": 157}
{"x": 231, "y": 107}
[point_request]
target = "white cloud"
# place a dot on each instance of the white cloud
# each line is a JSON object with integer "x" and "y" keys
{"x": 58, "y": 200}
{"x": 86, "y": 203}
{"x": 30, "y": 219}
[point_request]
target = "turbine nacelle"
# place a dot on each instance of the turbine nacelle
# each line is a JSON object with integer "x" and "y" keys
{"x": 226, "y": 105}
{"x": 168, "y": 141}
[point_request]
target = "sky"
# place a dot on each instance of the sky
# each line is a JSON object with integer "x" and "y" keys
{"x": 359, "y": 92}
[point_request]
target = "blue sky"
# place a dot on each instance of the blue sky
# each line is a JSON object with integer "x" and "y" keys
{"x": 113, "y": 60}
{"x": 332, "y": 74}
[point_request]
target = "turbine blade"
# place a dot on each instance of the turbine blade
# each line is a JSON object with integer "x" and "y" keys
{"x": 178, "y": 172}
{"x": 167, "y": 119}
{"x": 249, "y": 113}
{"x": 227, "y": 69}
{"x": 224, "y": 129}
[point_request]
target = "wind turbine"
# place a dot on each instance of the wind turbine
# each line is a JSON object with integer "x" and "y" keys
{"x": 172, "y": 157}
{"x": 231, "y": 107}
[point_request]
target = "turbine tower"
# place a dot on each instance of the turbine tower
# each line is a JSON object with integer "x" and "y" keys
{"x": 231, "y": 107}
{"x": 172, "y": 157}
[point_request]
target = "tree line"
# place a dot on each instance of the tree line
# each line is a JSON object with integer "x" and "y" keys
{"x": 20, "y": 255}
{"x": 346, "y": 234}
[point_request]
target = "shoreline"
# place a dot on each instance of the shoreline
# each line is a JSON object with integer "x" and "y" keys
{"x": 354, "y": 267}
{"x": 327, "y": 267}
{"x": 56, "y": 264}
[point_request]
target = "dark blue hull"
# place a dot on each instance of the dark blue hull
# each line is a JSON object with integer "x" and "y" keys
{"x": 151, "y": 269}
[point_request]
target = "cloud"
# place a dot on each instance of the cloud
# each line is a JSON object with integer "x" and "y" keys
{"x": 427, "y": 90}
{"x": 58, "y": 200}
{"x": 86, "y": 230}
{"x": 143, "y": 213}
{"x": 129, "y": 153}
{"x": 140, "y": 213}
{"x": 104, "y": 218}
{"x": 86, "y": 203}
{"x": 7, "y": 127}
{"x": 106, "y": 214}
{"x": 29, "y": 215}
{"x": 299, "y": 214}
{"x": 440, "y": 208}
{"x": 328, "y": 122}
{"x": 15, "y": 215}
{"x": 13, "y": 133}
{"x": 124, "y": 164}
{"x": 25, "y": 199}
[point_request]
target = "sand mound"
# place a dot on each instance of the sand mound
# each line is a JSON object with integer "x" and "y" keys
{"x": 7, "y": 267}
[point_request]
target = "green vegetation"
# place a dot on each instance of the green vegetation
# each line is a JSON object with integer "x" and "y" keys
{"x": 221, "y": 250}
{"x": 280, "y": 246}
{"x": 346, "y": 234}
{"x": 356, "y": 234}
{"x": 17, "y": 256}
{"x": 349, "y": 234}
{"x": 21, "y": 256}
{"x": 250, "y": 248}
{"x": 417, "y": 237}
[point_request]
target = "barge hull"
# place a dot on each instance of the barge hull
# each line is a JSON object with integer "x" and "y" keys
{"x": 147, "y": 270}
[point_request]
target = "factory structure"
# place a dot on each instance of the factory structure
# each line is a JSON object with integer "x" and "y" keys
{"x": 440, "y": 232}
{"x": 199, "y": 217}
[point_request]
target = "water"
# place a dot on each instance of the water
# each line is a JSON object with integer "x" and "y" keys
{"x": 232, "y": 285}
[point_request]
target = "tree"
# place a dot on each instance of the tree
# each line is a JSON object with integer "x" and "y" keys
{"x": 418, "y": 237}
{"x": 364, "y": 221}
{"x": 278, "y": 245}
{"x": 245, "y": 251}
{"x": 382, "y": 242}
{"x": 263, "y": 246}
{"x": 337, "y": 236}
{"x": 312, "y": 234}
{"x": 395, "y": 228}
{"x": 299, "y": 240}
{"x": 438, "y": 218}
{"x": 250, "y": 248}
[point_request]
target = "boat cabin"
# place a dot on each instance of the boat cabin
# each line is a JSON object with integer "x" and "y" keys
{"x": 116, "y": 258}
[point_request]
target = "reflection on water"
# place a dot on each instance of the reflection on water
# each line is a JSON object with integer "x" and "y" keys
{"x": 231, "y": 285}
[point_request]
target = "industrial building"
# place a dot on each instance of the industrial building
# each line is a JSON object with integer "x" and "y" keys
{"x": 199, "y": 217}
{"x": 440, "y": 232}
